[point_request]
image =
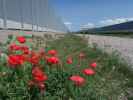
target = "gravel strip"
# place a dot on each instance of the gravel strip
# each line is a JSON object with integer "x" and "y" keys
{"x": 108, "y": 43}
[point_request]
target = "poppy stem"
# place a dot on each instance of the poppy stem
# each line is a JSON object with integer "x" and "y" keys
{"x": 70, "y": 93}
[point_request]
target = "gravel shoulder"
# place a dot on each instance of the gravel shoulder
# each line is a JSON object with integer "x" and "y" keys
{"x": 4, "y": 34}
{"x": 109, "y": 43}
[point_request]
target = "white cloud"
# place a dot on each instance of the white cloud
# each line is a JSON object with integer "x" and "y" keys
{"x": 87, "y": 26}
{"x": 69, "y": 25}
{"x": 115, "y": 21}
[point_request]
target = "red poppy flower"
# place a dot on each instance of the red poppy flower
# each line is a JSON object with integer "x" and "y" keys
{"x": 69, "y": 60}
{"x": 53, "y": 60}
{"x": 38, "y": 78}
{"x": 38, "y": 75}
{"x": 35, "y": 59}
{"x": 26, "y": 57}
{"x": 88, "y": 71}
{"x": 15, "y": 60}
{"x": 25, "y": 49}
{"x": 52, "y": 52}
{"x": 21, "y": 39}
{"x": 14, "y": 47}
{"x": 78, "y": 80}
{"x": 81, "y": 55}
{"x": 93, "y": 65}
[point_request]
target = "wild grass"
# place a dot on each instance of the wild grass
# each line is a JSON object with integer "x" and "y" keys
{"x": 113, "y": 79}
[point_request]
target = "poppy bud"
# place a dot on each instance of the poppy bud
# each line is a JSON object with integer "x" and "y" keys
{"x": 41, "y": 86}
{"x": 93, "y": 65}
{"x": 52, "y": 52}
{"x": 81, "y": 55}
{"x": 69, "y": 60}
{"x": 78, "y": 80}
{"x": 88, "y": 71}
{"x": 53, "y": 60}
{"x": 31, "y": 83}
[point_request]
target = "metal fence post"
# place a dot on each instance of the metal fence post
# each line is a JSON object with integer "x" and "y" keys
{"x": 37, "y": 14}
{"x": 21, "y": 14}
{"x": 32, "y": 14}
{"x": 4, "y": 14}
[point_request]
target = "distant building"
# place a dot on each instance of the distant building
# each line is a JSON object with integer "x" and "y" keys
{"x": 36, "y": 15}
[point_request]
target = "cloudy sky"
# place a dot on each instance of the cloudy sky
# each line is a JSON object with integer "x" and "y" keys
{"x": 78, "y": 14}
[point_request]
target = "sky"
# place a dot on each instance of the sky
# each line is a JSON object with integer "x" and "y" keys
{"x": 80, "y": 14}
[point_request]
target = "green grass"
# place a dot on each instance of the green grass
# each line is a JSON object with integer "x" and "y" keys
{"x": 113, "y": 77}
{"x": 112, "y": 80}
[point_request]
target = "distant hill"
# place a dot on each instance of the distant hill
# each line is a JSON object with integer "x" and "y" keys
{"x": 122, "y": 27}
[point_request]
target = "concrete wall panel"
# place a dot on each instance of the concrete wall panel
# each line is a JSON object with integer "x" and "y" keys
{"x": 26, "y": 9}
{"x": 1, "y": 15}
{"x": 13, "y": 14}
{"x": 35, "y": 15}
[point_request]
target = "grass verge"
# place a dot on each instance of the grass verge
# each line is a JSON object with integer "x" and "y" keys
{"x": 113, "y": 78}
